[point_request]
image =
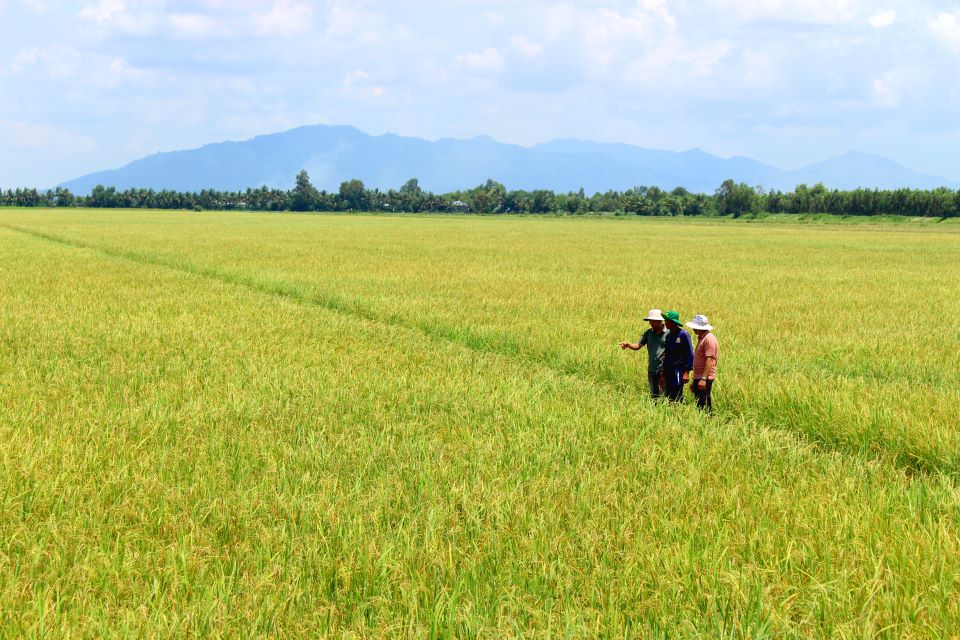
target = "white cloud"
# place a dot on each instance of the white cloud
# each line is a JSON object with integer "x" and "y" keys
{"x": 102, "y": 11}
{"x": 73, "y": 68}
{"x": 286, "y": 17}
{"x": 351, "y": 25}
{"x": 759, "y": 69}
{"x": 812, "y": 11}
{"x": 354, "y": 85}
{"x": 32, "y": 136}
{"x": 554, "y": 22}
{"x": 243, "y": 6}
{"x": 609, "y": 27}
{"x": 946, "y": 27}
{"x": 363, "y": 93}
{"x": 882, "y": 19}
{"x": 40, "y": 6}
{"x": 117, "y": 71}
{"x": 192, "y": 25}
{"x": 659, "y": 9}
{"x": 609, "y": 38}
{"x": 526, "y": 48}
{"x": 486, "y": 61}
{"x": 24, "y": 59}
{"x": 888, "y": 89}
{"x": 160, "y": 17}
{"x": 495, "y": 18}
{"x": 58, "y": 61}
{"x": 139, "y": 18}
{"x": 677, "y": 63}
{"x": 353, "y": 77}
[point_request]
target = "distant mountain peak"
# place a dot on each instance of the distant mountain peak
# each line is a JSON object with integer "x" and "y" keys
{"x": 332, "y": 154}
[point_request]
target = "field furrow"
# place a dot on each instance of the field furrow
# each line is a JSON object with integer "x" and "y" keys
{"x": 846, "y": 391}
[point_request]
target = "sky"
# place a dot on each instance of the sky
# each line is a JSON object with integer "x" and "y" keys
{"x": 94, "y": 84}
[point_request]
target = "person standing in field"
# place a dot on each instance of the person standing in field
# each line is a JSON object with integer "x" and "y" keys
{"x": 654, "y": 339}
{"x": 677, "y": 357}
{"x": 704, "y": 362}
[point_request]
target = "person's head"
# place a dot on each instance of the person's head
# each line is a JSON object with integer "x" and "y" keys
{"x": 672, "y": 319}
{"x": 655, "y": 318}
{"x": 700, "y": 325}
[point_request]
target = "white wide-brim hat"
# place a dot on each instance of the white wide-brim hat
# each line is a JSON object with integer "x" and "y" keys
{"x": 655, "y": 314}
{"x": 700, "y": 323}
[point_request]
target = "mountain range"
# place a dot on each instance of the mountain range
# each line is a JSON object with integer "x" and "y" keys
{"x": 332, "y": 154}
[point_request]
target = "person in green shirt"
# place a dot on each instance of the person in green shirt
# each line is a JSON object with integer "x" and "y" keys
{"x": 654, "y": 339}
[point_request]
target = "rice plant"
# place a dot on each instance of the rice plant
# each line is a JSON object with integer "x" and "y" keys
{"x": 246, "y": 425}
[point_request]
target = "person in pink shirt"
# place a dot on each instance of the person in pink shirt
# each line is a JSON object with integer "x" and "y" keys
{"x": 704, "y": 362}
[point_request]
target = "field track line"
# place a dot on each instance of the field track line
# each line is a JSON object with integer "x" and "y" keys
{"x": 494, "y": 343}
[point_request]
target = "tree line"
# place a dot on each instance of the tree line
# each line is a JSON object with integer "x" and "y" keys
{"x": 729, "y": 199}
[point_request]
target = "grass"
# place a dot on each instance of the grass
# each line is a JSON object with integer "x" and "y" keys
{"x": 236, "y": 425}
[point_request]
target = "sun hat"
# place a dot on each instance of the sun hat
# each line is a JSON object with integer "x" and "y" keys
{"x": 655, "y": 314}
{"x": 700, "y": 323}
{"x": 672, "y": 316}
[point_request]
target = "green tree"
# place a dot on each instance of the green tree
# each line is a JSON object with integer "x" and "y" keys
{"x": 103, "y": 197}
{"x": 353, "y": 194}
{"x": 305, "y": 195}
{"x": 411, "y": 187}
{"x": 735, "y": 199}
{"x": 488, "y": 197}
{"x": 411, "y": 197}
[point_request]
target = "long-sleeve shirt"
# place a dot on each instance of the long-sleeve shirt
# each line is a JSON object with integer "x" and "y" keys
{"x": 678, "y": 352}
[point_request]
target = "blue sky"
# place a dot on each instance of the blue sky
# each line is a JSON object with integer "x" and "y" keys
{"x": 94, "y": 84}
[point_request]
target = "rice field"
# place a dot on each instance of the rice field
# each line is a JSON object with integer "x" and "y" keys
{"x": 261, "y": 425}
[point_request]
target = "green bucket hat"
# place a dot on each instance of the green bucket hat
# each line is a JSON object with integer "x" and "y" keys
{"x": 672, "y": 316}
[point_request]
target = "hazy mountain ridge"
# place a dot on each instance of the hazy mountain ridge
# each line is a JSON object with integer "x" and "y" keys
{"x": 332, "y": 154}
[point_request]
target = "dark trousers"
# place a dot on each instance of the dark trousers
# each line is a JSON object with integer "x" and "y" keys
{"x": 674, "y": 388}
{"x": 653, "y": 379}
{"x": 704, "y": 401}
